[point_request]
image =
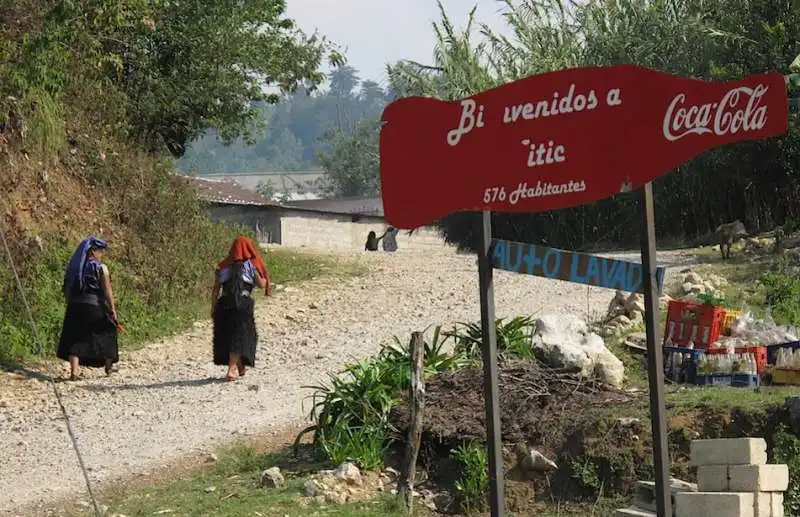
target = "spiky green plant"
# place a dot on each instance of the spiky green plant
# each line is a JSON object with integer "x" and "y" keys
{"x": 514, "y": 338}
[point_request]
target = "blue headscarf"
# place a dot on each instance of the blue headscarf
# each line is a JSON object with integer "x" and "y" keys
{"x": 74, "y": 273}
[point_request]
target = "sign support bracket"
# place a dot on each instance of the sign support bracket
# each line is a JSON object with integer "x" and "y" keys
{"x": 655, "y": 360}
{"x": 494, "y": 443}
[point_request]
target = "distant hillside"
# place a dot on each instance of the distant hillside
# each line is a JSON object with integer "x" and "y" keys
{"x": 293, "y": 132}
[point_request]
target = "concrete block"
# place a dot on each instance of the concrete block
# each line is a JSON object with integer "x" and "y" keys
{"x": 769, "y": 504}
{"x": 736, "y": 451}
{"x": 758, "y": 478}
{"x": 777, "y": 505}
{"x": 710, "y": 504}
{"x": 713, "y": 479}
{"x": 763, "y": 507}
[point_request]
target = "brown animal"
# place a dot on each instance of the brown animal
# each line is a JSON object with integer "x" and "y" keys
{"x": 726, "y": 234}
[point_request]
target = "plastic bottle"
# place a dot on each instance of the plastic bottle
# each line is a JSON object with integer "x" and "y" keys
{"x": 768, "y": 316}
{"x": 780, "y": 359}
{"x": 675, "y": 361}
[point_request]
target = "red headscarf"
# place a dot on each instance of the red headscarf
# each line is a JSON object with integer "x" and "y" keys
{"x": 244, "y": 249}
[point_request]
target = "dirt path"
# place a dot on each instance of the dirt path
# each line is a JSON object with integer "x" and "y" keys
{"x": 167, "y": 400}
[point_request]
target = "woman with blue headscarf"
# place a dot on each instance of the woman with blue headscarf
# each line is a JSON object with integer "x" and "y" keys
{"x": 89, "y": 333}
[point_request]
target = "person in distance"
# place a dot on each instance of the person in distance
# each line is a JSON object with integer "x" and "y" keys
{"x": 89, "y": 333}
{"x": 232, "y": 304}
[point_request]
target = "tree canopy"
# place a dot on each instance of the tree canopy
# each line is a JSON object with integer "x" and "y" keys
{"x": 181, "y": 67}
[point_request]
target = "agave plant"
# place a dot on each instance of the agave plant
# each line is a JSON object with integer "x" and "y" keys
{"x": 359, "y": 399}
{"x": 514, "y": 337}
{"x": 396, "y": 355}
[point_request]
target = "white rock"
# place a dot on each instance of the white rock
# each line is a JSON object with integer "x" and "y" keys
{"x": 535, "y": 461}
{"x": 349, "y": 473}
{"x": 565, "y": 342}
{"x": 272, "y": 478}
{"x": 693, "y": 278}
{"x": 635, "y": 302}
{"x": 621, "y": 321}
{"x": 310, "y": 488}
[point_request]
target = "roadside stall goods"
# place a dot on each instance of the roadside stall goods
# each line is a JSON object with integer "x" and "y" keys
{"x": 787, "y": 363}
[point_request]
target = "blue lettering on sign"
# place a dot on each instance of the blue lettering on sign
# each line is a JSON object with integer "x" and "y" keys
{"x": 579, "y": 268}
{"x": 530, "y": 259}
{"x": 551, "y": 267}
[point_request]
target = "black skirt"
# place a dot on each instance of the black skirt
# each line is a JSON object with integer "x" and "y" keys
{"x": 89, "y": 334}
{"x": 235, "y": 331}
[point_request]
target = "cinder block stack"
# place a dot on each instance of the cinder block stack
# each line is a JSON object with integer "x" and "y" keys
{"x": 734, "y": 480}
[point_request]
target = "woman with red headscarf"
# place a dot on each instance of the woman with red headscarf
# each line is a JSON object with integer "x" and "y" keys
{"x": 235, "y": 336}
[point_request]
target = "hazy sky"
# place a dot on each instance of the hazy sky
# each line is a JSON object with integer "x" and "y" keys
{"x": 376, "y": 32}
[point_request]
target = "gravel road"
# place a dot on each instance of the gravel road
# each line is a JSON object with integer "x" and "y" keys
{"x": 167, "y": 401}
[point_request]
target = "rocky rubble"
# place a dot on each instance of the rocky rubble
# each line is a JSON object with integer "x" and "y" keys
{"x": 759, "y": 245}
{"x": 690, "y": 284}
{"x": 625, "y": 312}
{"x": 347, "y": 484}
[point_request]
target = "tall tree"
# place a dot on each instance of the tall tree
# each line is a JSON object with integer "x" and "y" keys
{"x": 351, "y": 161}
{"x": 343, "y": 80}
{"x": 189, "y": 66}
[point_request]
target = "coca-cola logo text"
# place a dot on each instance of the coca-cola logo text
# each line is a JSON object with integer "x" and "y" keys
{"x": 739, "y": 110}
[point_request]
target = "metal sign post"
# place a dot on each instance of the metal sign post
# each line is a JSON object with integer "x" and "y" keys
{"x": 494, "y": 442}
{"x": 655, "y": 360}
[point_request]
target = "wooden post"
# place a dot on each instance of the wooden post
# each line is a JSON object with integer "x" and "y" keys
{"x": 655, "y": 360}
{"x": 491, "y": 376}
{"x": 417, "y": 405}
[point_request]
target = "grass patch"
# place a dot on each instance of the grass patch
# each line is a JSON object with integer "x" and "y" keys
{"x": 230, "y": 488}
{"x": 724, "y": 397}
{"x": 290, "y": 266}
{"x": 604, "y": 507}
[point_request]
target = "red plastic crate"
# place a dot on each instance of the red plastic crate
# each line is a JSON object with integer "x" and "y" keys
{"x": 759, "y": 351}
{"x": 688, "y": 322}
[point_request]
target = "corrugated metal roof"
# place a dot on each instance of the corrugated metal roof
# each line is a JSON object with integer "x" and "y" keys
{"x": 227, "y": 192}
{"x": 359, "y": 206}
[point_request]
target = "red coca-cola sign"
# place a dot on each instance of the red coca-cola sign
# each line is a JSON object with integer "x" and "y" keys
{"x": 562, "y": 139}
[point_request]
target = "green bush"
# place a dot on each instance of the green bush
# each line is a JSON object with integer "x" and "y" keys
{"x": 783, "y": 295}
{"x": 787, "y": 451}
{"x": 472, "y": 485}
